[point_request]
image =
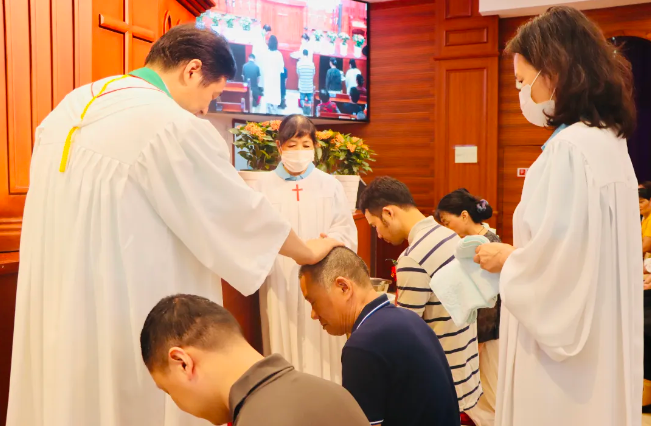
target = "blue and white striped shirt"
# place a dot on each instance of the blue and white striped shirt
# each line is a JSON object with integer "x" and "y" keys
{"x": 432, "y": 246}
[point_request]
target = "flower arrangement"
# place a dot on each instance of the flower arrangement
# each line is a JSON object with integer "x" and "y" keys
{"x": 245, "y": 23}
{"x": 332, "y": 36}
{"x": 216, "y": 18}
{"x": 257, "y": 144}
{"x": 358, "y": 40}
{"x": 318, "y": 35}
{"x": 344, "y": 38}
{"x": 230, "y": 20}
{"x": 336, "y": 153}
{"x": 343, "y": 154}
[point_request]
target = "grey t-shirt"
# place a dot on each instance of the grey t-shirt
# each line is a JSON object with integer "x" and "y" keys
{"x": 273, "y": 393}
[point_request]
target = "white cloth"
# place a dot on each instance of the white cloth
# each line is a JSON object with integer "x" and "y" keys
{"x": 149, "y": 206}
{"x": 260, "y": 50}
{"x": 288, "y": 328}
{"x": 351, "y": 78}
{"x": 271, "y": 68}
{"x": 571, "y": 327}
{"x": 462, "y": 286}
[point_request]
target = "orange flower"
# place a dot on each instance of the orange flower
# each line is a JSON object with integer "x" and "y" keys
{"x": 255, "y": 130}
{"x": 354, "y": 139}
{"x": 365, "y": 147}
{"x": 322, "y": 135}
{"x": 339, "y": 139}
{"x": 265, "y": 124}
{"x": 351, "y": 147}
{"x": 275, "y": 125}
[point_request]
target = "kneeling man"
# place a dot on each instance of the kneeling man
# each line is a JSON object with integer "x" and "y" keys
{"x": 393, "y": 363}
{"x": 195, "y": 351}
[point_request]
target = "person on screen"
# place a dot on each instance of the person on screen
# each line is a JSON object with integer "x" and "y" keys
{"x": 353, "y": 107}
{"x": 272, "y": 68}
{"x": 251, "y": 75}
{"x": 326, "y": 104}
{"x": 334, "y": 77}
{"x": 360, "y": 85}
{"x": 351, "y": 76}
{"x": 283, "y": 89}
{"x": 260, "y": 49}
{"x": 306, "y": 71}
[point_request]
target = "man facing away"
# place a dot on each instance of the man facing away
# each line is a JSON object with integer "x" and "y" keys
{"x": 393, "y": 364}
{"x": 195, "y": 352}
{"x": 390, "y": 208}
{"x": 130, "y": 201}
{"x": 251, "y": 75}
{"x": 306, "y": 70}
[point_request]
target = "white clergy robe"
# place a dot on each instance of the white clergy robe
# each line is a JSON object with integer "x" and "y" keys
{"x": 149, "y": 206}
{"x": 314, "y": 205}
{"x": 571, "y": 331}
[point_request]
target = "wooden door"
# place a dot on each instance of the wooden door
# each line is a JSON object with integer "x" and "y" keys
{"x": 122, "y": 35}
{"x": 286, "y": 21}
{"x": 467, "y": 115}
{"x": 37, "y": 38}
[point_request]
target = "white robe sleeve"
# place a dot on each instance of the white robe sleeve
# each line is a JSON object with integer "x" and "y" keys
{"x": 189, "y": 180}
{"x": 549, "y": 285}
{"x": 343, "y": 225}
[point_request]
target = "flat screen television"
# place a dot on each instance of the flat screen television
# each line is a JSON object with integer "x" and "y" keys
{"x": 295, "y": 57}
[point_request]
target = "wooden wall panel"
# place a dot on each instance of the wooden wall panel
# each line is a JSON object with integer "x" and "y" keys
{"x": 464, "y": 33}
{"x": 402, "y": 94}
{"x": 519, "y": 141}
{"x": 8, "y": 281}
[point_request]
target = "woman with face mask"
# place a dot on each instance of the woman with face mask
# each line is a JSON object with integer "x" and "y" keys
{"x": 571, "y": 285}
{"x": 315, "y": 203}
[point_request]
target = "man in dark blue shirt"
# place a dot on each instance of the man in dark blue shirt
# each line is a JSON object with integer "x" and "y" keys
{"x": 393, "y": 363}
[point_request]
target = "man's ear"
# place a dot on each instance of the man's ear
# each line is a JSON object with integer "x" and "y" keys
{"x": 344, "y": 286}
{"x": 180, "y": 361}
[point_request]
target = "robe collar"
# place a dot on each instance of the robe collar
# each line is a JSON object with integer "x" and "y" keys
{"x": 280, "y": 171}
{"x": 151, "y": 77}
{"x": 557, "y": 131}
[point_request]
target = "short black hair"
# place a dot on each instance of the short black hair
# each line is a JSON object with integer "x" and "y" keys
{"x": 324, "y": 96}
{"x": 186, "y": 42}
{"x": 461, "y": 200}
{"x": 353, "y": 63}
{"x": 185, "y": 320}
{"x": 360, "y": 80}
{"x": 273, "y": 43}
{"x": 305, "y": 52}
{"x": 296, "y": 125}
{"x": 340, "y": 262}
{"x": 267, "y": 28}
{"x": 644, "y": 193}
{"x": 251, "y": 56}
{"x": 333, "y": 61}
{"x": 385, "y": 191}
{"x": 354, "y": 94}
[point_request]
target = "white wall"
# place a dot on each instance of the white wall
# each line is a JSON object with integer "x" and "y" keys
{"x": 509, "y": 8}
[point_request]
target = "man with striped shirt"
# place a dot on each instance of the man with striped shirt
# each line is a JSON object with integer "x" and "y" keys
{"x": 306, "y": 70}
{"x": 390, "y": 208}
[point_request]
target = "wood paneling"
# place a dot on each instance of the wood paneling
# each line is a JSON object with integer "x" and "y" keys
{"x": 465, "y": 33}
{"x": 467, "y": 115}
{"x": 519, "y": 141}
{"x": 402, "y": 96}
{"x": 8, "y": 280}
{"x": 170, "y": 13}
{"x": 37, "y": 36}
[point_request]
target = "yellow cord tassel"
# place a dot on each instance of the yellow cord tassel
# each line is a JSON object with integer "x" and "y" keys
{"x": 66, "y": 146}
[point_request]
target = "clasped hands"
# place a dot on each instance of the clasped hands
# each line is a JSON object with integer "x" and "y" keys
{"x": 492, "y": 256}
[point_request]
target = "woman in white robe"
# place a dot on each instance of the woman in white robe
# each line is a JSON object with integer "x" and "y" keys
{"x": 571, "y": 329}
{"x": 271, "y": 68}
{"x": 314, "y": 203}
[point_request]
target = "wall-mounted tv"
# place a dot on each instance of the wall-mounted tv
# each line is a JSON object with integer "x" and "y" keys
{"x": 295, "y": 57}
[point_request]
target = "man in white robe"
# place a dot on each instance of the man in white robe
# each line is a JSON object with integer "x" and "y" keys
{"x": 145, "y": 204}
{"x": 315, "y": 203}
{"x": 571, "y": 332}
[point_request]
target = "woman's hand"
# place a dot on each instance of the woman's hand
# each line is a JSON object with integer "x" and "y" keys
{"x": 491, "y": 257}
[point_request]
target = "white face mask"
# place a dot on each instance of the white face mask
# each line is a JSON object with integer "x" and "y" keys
{"x": 533, "y": 112}
{"x": 297, "y": 161}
